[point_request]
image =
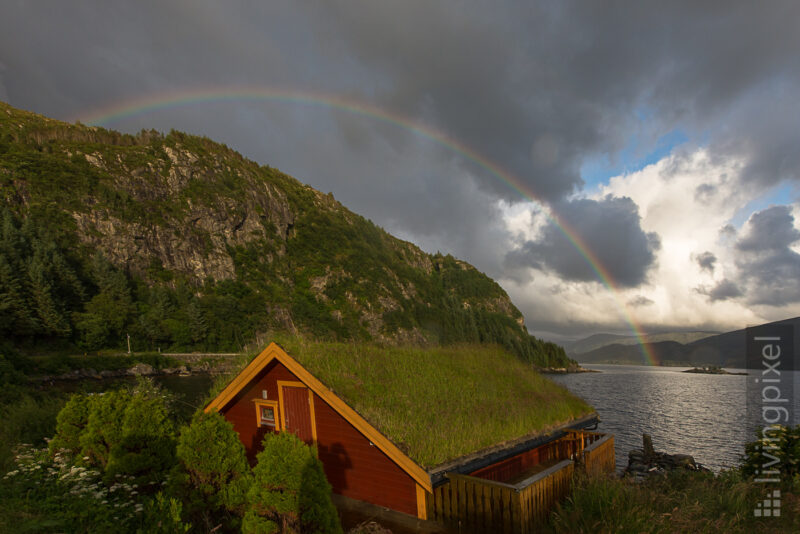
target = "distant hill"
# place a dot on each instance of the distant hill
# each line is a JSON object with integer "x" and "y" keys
{"x": 726, "y": 350}
{"x": 597, "y": 341}
{"x": 183, "y": 244}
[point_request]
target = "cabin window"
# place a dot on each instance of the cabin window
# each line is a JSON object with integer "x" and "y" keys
{"x": 267, "y": 414}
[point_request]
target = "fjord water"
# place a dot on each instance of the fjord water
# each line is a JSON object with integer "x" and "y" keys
{"x": 699, "y": 414}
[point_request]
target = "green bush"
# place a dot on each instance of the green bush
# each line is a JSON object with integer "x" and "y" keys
{"x": 162, "y": 515}
{"x": 289, "y": 492}
{"x": 71, "y": 421}
{"x": 776, "y": 449}
{"x": 123, "y": 433}
{"x": 104, "y": 426}
{"x": 146, "y": 448}
{"x": 213, "y": 474}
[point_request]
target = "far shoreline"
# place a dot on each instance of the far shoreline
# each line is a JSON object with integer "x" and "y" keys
{"x": 680, "y": 367}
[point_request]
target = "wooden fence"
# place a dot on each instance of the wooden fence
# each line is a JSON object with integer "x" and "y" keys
{"x": 598, "y": 457}
{"x": 477, "y": 505}
{"x": 470, "y": 504}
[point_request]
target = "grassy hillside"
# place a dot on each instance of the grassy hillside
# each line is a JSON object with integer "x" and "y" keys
{"x": 183, "y": 244}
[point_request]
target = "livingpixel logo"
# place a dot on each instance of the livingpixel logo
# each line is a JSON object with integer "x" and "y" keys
{"x": 770, "y": 403}
{"x": 769, "y": 507}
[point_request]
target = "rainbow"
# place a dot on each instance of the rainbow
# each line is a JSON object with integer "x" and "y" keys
{"x": 104, "y": 116}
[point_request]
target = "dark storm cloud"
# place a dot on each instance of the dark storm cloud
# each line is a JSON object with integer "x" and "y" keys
{"x": 766, "y": 263}
{"x": 724, "y": 290}
{"x": 579, "y": 79}
{"x": 3, "y": 92}
{"x": 706, "y": 261}
{"x": 769, "y": 230}
{"x": 537, "y": 88}
{"x": 611, "y": 229}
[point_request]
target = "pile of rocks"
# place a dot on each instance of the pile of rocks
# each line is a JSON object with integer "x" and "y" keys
{"x": 140, "y": 369}
{"x": 646, "y": 462}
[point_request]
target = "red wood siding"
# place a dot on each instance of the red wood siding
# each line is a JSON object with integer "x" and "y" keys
{"x": 357, "y": 469}
{"x": 241, "y": 410}
{"x": 511, "y": 467}
{"x": 353, "y": 466}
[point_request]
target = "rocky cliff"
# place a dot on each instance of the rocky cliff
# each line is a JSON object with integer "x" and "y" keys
{"x": 199, "y": 247}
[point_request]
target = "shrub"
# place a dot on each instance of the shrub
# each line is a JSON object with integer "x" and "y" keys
{"x": 777, "y": 449}
{"x": 146, "y": 448}
{"x": 289, "y": 492}
{"x": 71, "y": 421}
{"x": 124, "y": 433}
{"x": 104, "y": 426}
{"x": 213, "y": 474}
{"x": 162, "y": 515}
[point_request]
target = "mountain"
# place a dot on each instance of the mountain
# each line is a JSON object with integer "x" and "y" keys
{"x": 726, "y": 350}
{"x": 597, "y": 341}
{"x": 183, "y": 244}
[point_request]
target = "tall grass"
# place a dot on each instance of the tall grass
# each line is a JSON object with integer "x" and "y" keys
{"x": 29, "y": 418}
{"x": 684, "y": 501}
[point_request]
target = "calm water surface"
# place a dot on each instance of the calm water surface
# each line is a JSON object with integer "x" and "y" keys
{"x": 699, "y": 414}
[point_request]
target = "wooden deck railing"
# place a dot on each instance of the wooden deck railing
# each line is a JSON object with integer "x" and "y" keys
{"x": 538, "y": 497}
{"x": 598, "y": 458}
{"x": 471, "y": 504}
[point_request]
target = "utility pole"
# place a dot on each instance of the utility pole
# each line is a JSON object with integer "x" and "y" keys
{"x": 129, "y": 342}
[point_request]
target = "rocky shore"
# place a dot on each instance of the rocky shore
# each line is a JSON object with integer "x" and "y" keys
{"x": 564, "y": 370}
{"x": 140, "y": 369}
{"x": 647, "y": 462}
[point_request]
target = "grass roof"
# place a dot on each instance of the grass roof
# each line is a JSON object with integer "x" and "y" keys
{"x": 437, "y": 404}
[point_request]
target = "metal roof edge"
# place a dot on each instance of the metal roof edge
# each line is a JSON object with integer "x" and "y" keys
{"x": 478, "y": 460}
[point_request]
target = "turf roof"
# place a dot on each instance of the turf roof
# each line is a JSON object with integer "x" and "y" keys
{"x": 438, "y": 404}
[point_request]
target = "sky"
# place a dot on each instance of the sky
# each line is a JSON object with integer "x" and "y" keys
{"x": 614, "y": 166}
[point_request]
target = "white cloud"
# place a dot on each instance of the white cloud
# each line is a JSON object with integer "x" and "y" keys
{"x": 687, "y": 199}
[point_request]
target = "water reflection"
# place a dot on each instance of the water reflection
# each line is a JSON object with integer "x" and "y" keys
{"x": 699, "y": 414}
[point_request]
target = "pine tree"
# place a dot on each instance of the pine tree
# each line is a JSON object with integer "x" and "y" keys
{"x": 107, "y": 314}
{"x": 16, "y": 319}
{"x": 52, "y": 320}
{"x": 289, "y": 492}
{"x": 198, "y": 326}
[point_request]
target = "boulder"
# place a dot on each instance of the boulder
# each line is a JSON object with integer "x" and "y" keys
{"x": 142, "y": 369}
{"x": 683, "y": 460}
{"x": 649, "y": 462}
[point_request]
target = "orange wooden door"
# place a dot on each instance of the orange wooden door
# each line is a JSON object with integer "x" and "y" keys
{"x": 297, "y": 412}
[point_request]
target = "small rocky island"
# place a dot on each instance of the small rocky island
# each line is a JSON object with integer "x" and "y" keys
{"x": 711, "y": 370}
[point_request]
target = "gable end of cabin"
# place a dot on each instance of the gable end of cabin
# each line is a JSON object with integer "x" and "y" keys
{"x": 274, "y": 393}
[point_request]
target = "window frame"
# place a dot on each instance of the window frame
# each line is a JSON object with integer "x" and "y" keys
{"x": 260, "y": 403}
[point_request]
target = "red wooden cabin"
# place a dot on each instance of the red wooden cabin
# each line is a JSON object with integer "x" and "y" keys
{"x": 276, "y": 393}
